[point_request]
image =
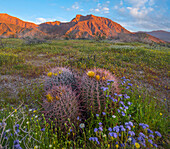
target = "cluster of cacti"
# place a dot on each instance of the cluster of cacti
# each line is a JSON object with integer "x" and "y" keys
{"x": 68, "y": 94}
{"x": 61, "y": 104}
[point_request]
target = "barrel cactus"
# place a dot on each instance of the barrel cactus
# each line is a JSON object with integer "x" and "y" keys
{"x": 60, "y": 76}
{"x": 61, "y": 104}
{"x": 91, "y": 85}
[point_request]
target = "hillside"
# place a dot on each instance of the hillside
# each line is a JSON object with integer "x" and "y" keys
{"x": 89, "y": 26}
{"x": 163, "y": 35}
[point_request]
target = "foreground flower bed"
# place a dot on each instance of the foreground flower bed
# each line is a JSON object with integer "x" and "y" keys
{"x": 115, "y": 122}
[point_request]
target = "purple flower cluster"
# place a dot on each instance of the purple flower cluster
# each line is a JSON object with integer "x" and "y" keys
{"x": 144, "y": 126}
{"x": 17, "y": 129}
{"x": 17, "y": 145}
{"x": 95, "y": 139}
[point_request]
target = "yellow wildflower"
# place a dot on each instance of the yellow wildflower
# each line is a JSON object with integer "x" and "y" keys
{"x": 108, "y": 145}
{"x": 49, "y": 98}
{"x": 97, "y": 77}
{"x": 139, "y": 96}
{"x": 35, "y": 111}
{"x": 36, "y": 147}
{"x": 57, "y": 98}
{"x": 60, "y": 72}
{"x": 117, "y": 146}
{"x": 137, "y": 145}
{"x": 90, "y": 74}
{"x": 15, "y": 110}
{"x": 55, "y": 74}
{"x": 165, "y": 99}
{"x": 103, "y": 78}
{"x": 160, "y": 113}
{"x": 49, "y": 74}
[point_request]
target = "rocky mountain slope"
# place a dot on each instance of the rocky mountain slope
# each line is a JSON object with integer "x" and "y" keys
{"x": 88, "y": 26}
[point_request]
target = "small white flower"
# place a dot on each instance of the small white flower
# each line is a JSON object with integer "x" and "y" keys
{"x": 50, "y": 146}
{"x": 27, "y": 122}
{"x": 7, "y": 130}
{"x": 82, "y": 125}
{"x": 129, "y": 140}
{"x": 36, "y": 116}
{"x": 12, "y": 115}
{"x": 30, "y": 110}
{"x": 104, "y": 135}
{"x": 113, "y": 116}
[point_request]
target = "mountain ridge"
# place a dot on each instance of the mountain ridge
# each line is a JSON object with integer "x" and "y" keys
{"x": 88, "y": 26}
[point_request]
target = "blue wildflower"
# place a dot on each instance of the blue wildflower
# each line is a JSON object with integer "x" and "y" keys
{"x": 151, "y": 136}
{"x": 115, "y": 94}
{"x": 110, "y": 129}
{"x": 118, "y": 110}
{"x": 103, "y": 113}
{"x": 133, "y": 141}
{"x": 144, "y": 126}
{"x": 43, "y": 129}
{"x": 95, "y": 129}
{"x": 104, "y": 88}
{"x": 142, "y": 135}
{"x": 149, "y": 131}
{"x": 100, "y": 123}
{"x": 130, "y": 84}
{"x": 110, "y": 81}
{"x": 100, "y": 128}
{"x": 116, "y": 128}
{"x": 122, "y": 128}
{"x": 97, "y": 115}
{"x": 158, "y": 134}
{"x": 155, "y": 145}
{"x": 131, "y": 133}
{"x": 128, "y": 127}
{"x": 123, "y": 114}
{"x": 112, "y": 134}
{"x": 17, "y": 125}
{"x": 114, "y": 100}
{"x": 129, "y": 103}
{"x": 150, "y": 141}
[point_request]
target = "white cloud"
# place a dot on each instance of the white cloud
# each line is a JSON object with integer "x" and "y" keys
{"x": 137, "y": 3}
{"x": 96, "y": 10}
{"x": 40, "y": 20}
{"x": 101, "y": 8}
{"x": 139, "y": 13}
{"x": 121, "y": 3}
{"x": 75, "y": 5}
{"x": 115, "y": 7}
{"x": 105, "y": 9}
{"x": 81, "y": 9}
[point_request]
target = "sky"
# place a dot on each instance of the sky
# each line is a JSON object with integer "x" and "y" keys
{"x": 134, "y": 15}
